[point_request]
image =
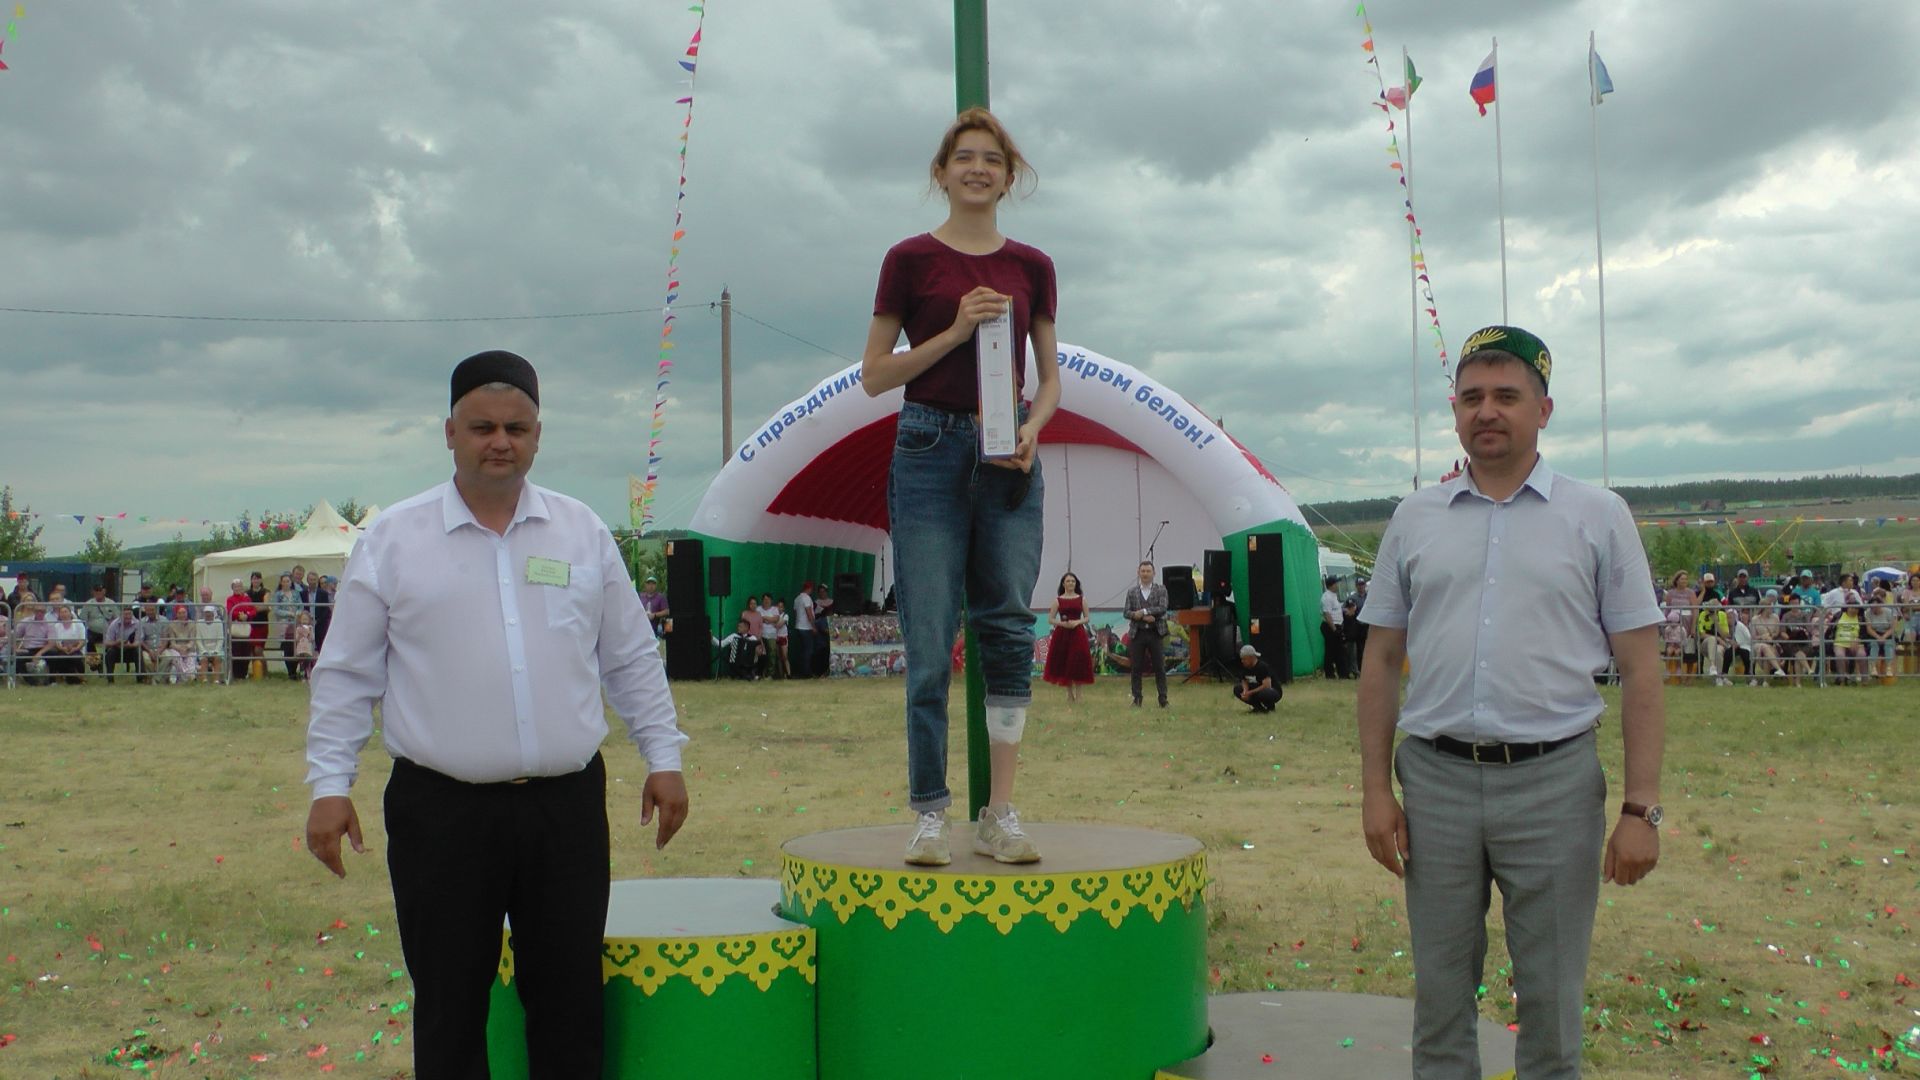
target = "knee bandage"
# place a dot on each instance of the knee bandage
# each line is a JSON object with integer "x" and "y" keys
{"x": 1006, "y": 723}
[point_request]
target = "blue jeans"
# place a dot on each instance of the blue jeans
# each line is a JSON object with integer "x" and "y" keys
{"x": 957, "y": 542}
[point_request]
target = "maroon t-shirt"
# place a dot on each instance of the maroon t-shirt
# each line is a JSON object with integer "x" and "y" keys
{"x": 922, "y": 281}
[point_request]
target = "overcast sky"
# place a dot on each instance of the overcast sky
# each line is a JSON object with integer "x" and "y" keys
{"x": 1213, "y": 189}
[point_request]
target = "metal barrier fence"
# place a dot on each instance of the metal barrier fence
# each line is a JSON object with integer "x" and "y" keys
{"x": 1791, "y": 642}
{"x": 164, "y": 644}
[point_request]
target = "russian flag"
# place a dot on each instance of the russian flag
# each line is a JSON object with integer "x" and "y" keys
{"x": 1482, "y": 88}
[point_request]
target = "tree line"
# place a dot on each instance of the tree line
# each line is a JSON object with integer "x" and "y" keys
{"x": 165, "y": 564}
{"x": 1658, "y": 497}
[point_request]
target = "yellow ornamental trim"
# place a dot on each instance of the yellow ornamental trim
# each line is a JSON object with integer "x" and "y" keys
{"x": 946, "y": 899}
{"x": 1482, "y": 338}
{"x": 707, "y": 962}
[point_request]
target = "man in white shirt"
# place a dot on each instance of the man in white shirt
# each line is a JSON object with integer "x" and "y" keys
{"x": 485, "y": 617}
{"x": 801, "y": 659}
{"x": 1333, "y": 623}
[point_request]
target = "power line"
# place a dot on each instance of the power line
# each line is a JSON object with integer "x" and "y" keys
{"x": 319, "y": 319}
{"x": 796, "y": 337}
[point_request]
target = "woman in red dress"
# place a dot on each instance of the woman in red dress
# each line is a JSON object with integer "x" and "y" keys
{"x": 1069, "y": 660}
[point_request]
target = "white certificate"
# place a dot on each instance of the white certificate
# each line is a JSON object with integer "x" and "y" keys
{"x": 999, "y": 394}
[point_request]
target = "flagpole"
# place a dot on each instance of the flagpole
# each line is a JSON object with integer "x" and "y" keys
{"x": 1599, "y": 256}
{"x": 1413, "y": 271}
{"x": 1500, "y": 179}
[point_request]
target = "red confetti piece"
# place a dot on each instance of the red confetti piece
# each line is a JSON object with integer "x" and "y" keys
{"x": 1266, "y": 1059}
{"x": 94, "y": 943}
{"x": 318, "y": 1051}
{"x": 9, "y": 1040}
{"x": 339, "y": 924}
{"x": 1902, "y": 979}
{"x": 218, "y": 859}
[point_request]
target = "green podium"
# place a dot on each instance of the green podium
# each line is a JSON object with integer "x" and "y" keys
{"x": 1090, "y": 964}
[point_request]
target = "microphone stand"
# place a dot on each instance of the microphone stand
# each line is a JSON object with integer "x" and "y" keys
{"x": 1156, "y": 539}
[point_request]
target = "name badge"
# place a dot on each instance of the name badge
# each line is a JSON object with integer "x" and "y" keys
{"x": 548, "y": 571}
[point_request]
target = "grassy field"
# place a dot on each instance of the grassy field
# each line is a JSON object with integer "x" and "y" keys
{"x": 157, "y": 908}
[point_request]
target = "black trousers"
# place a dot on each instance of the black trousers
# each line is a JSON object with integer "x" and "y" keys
{"x": 1260, "y": 700}
{"x": 1147, "y": 652}
{"x": 117, "y": 655}
{"x": 1336, "y": 665}
{"x": 463, "y": 857}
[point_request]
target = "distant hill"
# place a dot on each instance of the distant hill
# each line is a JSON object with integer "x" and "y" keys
{"x": 1694, "y": 496}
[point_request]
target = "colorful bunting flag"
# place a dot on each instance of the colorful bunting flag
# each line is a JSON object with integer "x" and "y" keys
{"x": 640, "y": 493}
{"x": 1387, "y": 96}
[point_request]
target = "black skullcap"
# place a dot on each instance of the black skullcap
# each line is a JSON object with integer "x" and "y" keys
{"x": 494, "y": 366}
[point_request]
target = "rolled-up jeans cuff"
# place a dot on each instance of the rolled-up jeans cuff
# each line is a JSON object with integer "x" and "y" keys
{"x": 1019, "y": 701}
{"x": 936, "y": 802}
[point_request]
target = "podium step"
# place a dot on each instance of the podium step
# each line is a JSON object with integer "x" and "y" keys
{"x": 702, "y": 979}
{"x": 1322, "y": 1036}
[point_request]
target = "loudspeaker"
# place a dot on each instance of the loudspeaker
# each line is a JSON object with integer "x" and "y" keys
{"x": 689, "y": 647}
{"x": 1222, "y": 638}
{"x": 1179, "y": 583}
{"x": 686, "y": 584}
{"x": 1217, "y": 567}
{"x": 1273, "y": 636}
{"x": 846, "y": 593}
{"x": 720, "y": 575}
{"x": 1266, "y": 573}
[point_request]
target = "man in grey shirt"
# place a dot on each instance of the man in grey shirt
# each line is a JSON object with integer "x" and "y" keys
{"x": 1507, "y": 588}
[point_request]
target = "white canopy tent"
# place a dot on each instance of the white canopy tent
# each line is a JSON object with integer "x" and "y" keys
{"x": 321, "y": 544}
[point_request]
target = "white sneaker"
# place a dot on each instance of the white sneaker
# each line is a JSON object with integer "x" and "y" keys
{"x": 1753, "y": 682}
{"x": 929, "y": 846}
{"x": 1001, "y": 836}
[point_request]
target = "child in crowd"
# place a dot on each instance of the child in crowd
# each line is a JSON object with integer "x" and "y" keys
{"x": 210, "y": 638}
{"x": 302, "y": 645}
{"x": 1673, "y": 643}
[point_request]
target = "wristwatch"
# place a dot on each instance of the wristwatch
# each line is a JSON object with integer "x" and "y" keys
{"x": 1652, "y": 815}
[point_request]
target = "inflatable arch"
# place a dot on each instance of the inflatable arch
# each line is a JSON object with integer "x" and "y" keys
{"x": 804, "y": 496}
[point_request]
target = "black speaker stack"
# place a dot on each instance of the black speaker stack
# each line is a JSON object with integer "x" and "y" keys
{"x": 1217, "y": 566}
{"x": 1268, "y": 627}
{"x": 689, "y": 640}
{"x": 1179, "y": 583}
{"x": 847, "y": 598}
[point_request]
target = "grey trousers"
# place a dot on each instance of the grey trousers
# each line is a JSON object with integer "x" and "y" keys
{"x": 1536, "y": 830}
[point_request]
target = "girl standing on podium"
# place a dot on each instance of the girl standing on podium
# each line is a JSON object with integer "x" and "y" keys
{"x": 966, "y": 529}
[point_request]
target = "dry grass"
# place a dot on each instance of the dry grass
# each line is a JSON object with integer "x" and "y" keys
{"x": 155, "y": 900}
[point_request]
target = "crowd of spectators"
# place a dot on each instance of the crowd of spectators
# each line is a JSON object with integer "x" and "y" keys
{"x": 1798, "y": 629}
{"x": 169, "y": 640}
{"x": 769, "y": 640}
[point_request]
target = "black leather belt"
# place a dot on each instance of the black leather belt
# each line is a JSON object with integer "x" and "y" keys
{"x": 1497, "y": 753}
{"x": 414, "y": 766}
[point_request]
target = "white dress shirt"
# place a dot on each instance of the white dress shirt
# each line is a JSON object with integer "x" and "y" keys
{"x": 1507, "y": 605}
{"x": 481, "y": 673}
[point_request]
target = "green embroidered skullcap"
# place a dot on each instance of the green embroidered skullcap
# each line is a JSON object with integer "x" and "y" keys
{"x": 1513, "y": 341}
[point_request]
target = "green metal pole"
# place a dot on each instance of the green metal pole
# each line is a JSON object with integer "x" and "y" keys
{"x": 970, "y": 54}
{"x": 970, "y": 89}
